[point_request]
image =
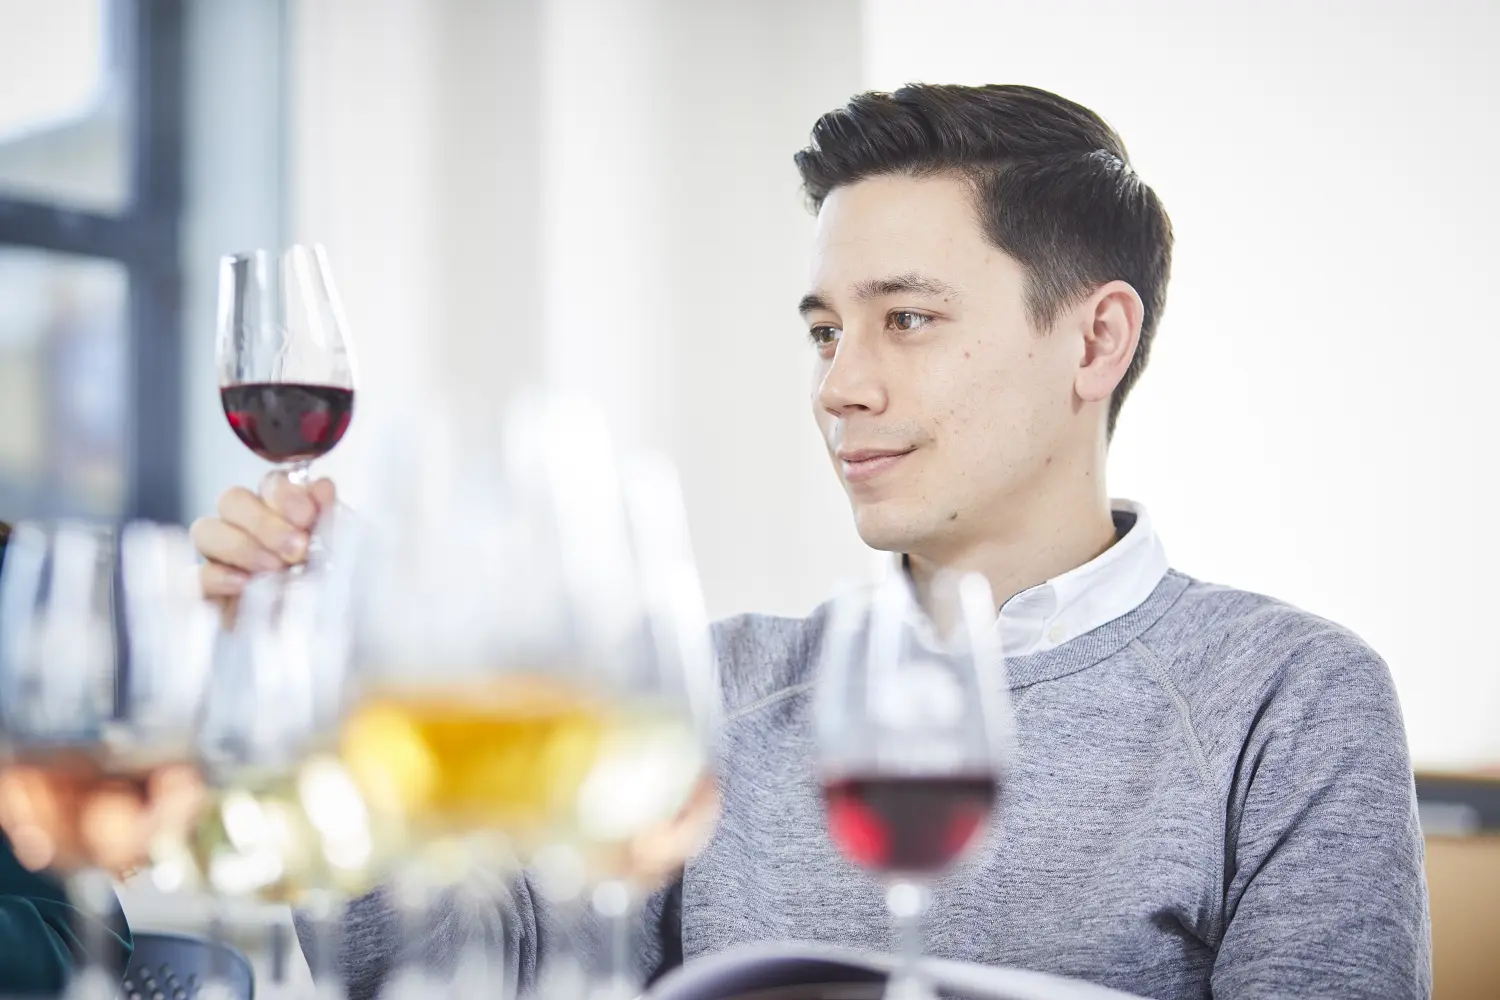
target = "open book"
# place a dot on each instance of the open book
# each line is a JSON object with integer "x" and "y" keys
{"x": 805, "y": 971}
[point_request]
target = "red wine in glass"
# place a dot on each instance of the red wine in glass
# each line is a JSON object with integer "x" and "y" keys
{"x": 288, "y": 422}
{"x": 908, "y": 824}
{"x": 286, "y": 374}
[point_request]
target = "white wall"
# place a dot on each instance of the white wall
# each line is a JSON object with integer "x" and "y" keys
{"x": 620, "y": 217}
{"x": 1317, "y": 419}
{"x": 234, "y": 201}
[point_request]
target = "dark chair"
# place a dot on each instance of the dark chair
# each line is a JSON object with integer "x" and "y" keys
{"x": 178, "y": 966}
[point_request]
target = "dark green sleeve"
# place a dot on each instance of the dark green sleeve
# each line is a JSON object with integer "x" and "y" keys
{"x": 41, "y": 936}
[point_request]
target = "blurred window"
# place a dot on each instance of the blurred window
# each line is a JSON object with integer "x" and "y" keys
{"x": 64, "y": 104}
{"x": 90, "y": 203}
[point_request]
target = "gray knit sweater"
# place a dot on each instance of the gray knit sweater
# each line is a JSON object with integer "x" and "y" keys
{"x": 1211, "y": 797}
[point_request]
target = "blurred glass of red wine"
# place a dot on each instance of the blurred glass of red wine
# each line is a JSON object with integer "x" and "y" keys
{"x": 288, "y": 421}
{"x": 905, "y": 824}
{"x": 80, "y": 804}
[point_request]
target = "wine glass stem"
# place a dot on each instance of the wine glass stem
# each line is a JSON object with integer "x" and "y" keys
{"x": 92, "y": 892}
{"x": 563, "y": 977}
{"x": 412, "y": 896}
{"x": 325, "y": 912}
{"x": 612, "y": 903}
{"x": 299, "y": 473}
{"x": 907, "y": 902}
{"x": 220, "y": 936}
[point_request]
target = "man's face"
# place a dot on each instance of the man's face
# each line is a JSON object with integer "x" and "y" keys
{"x": 942, "y": 408}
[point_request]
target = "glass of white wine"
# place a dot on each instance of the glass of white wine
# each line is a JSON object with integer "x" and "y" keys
{"x": 97, "y": 750}
{"x": 451, "y": 741}
{"x": 637, "y": 648}
{"x": 652, "y": 797}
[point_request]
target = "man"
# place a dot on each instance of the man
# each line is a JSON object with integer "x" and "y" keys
{"x": 1212, "y": 792}
{"x": 42, "y": 937}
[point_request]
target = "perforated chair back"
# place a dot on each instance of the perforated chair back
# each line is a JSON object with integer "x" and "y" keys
{"x": 181, "y": 966}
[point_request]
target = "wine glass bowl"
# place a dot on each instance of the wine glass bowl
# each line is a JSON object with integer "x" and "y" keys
{"x": 912, "y": 722}
{"x": 96, "y": 755}
{"x": 286, "y": 373}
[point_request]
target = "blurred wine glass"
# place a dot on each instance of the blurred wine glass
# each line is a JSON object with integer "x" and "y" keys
{"x": 285, "y": 822}
{"x": 449, "y": 743}
{"x": 912, "y": 721}
{"x": 532, "y": 685}
{"x": 97, "y": 749}
{"x": 286, "y": 373}
{"x": 639, "y": 650}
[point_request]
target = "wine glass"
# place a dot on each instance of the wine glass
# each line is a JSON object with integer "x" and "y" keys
{"x": 635, "y": 645}
{"x": 97, "y": 755}
{"x": 669, "y": 689}
{"x": 912, "y": 721}
{"x": 448, "y": 743}
{"x": 285, "y": 822}
{"x": 286, "y": 373}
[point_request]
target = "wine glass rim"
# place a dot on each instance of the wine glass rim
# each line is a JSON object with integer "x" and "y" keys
{"x": 318, "y": 249}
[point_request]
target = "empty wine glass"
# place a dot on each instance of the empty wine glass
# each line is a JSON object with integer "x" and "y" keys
{"x": 97, "y": 750}
{"x": 912, "y": 721}
{"x": 285, "y": 822}
{"x": 286, "y": 373}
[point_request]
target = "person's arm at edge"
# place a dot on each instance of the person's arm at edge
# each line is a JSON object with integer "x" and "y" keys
{"x": 1325, "y": 893}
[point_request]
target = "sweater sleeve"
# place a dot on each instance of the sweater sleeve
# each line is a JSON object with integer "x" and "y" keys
{"x": 42, "y": 937}
{"x": 1324, "y": 888}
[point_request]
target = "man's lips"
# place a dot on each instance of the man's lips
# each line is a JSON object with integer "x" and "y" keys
{"x": 866, "y": 463}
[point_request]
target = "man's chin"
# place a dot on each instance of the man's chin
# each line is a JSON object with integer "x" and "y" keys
{"x": 889, "y": 526}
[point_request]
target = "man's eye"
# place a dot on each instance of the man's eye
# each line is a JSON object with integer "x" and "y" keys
{"x": 823, "y": 336}
{"x": 906, "y": 320}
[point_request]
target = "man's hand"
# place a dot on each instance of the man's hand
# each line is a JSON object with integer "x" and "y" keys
{"x": 658, "y": 854}
{"x": 257, "y": 534}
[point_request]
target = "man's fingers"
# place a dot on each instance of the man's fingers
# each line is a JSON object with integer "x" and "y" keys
{"x": 219, "y": 581}
{"x": 657, "y": 853}
{"x": 326, "y": 495}
{"x": 244, "y": 510}
{"x": 233, "y": 549}
{"x": 294, "y": 503}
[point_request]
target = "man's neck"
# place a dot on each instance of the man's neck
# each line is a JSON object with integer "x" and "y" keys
{"x": 1054, "y": 532}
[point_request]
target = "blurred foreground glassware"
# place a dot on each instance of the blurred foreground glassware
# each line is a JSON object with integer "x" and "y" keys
{"x": 98, "y": 753}
{"x": 637, "y": 648}
{"x": 527, "y": 692}
{"x": 285, "y": 822}
{"x": 448, "y": 747}
{"x": 913, "y": 721}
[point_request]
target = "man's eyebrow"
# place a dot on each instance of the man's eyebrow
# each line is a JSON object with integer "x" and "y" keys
{"x": 901, "y": 284}
{"x": 811, "y": 302}
{"x": 910, "y": 283}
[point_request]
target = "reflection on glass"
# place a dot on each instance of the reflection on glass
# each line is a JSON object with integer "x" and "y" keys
{"x": 63, "y": 415}
{"x": 63, "y": 113}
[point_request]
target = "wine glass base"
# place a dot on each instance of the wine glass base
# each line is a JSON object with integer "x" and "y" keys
{"x": 93, "y": 983}
{"x": 908, "y": 988}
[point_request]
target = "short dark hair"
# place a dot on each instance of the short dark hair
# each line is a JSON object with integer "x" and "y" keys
{"x": 1053, "y": 187}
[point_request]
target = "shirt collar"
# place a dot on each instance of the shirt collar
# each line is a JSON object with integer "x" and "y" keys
{"x": 1087, "y": 597}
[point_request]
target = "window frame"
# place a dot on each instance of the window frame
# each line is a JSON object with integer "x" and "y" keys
{"x": 146, "y": 240}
